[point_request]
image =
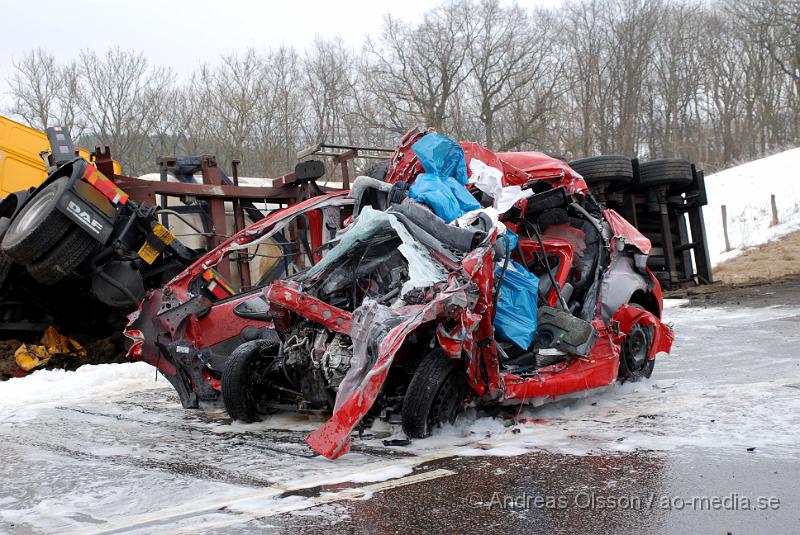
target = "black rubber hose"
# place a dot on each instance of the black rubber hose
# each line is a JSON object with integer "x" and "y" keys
{"x": 547, "y": 266}
{"x": 499, "y": 282}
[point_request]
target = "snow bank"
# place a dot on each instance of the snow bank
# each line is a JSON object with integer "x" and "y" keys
{"x": 745, "y": 192}
{"x": 87, "y": 382}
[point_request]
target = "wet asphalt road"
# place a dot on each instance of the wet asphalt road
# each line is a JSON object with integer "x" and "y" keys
{"x": 639, "y": 493}
{"x": 709, "y": 445}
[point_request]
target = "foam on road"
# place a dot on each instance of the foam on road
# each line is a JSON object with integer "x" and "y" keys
{"x": 108, "y": 448}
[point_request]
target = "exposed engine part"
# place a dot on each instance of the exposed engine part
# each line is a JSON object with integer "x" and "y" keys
{"x": 315, "y": 362}
{"x": 297, "y": 348}
{"x": 377, "y": 269}
{"x": 336, "y": 360}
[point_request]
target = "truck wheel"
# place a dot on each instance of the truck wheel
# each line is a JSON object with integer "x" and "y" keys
{"x": 244, "y": 382}
{"x": 5, "y": 267}
{"x": 434, "y": 394}
{"x": 633, "y": 361}
{"x": 615, "y": 170}
{"x": 64, "y": 258}
{"x": 38, "y": 226}
{"x": 666, "y": 172}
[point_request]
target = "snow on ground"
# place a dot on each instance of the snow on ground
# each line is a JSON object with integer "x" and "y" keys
{"x": 109, "y": 448}
{"x": 745, "y": 191}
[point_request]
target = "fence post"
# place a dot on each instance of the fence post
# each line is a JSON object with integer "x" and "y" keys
{"x": 774, "y": 211}
{"x": 725, "y": 228}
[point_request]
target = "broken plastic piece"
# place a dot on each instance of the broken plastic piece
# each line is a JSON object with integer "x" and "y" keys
{"x": 397, "y": 442}
{"x": 29, "y": 357}
{"x": 489, "y": 180}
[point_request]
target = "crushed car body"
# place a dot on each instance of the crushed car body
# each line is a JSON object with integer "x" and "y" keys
{"x": 463, "y": 276}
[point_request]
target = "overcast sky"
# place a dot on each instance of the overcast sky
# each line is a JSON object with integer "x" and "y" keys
{"x": 184, "y": 33}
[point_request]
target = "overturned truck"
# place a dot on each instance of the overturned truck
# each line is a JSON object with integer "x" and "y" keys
{"x": 79, "y": 251}
{"x": 454, "y": 276}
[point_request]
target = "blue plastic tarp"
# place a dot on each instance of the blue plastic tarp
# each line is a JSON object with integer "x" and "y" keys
{"x": 515, "y": 320}
{"x": 442, "y": 185}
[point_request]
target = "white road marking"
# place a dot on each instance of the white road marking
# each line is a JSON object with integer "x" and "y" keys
{"x": 162, "y": 521}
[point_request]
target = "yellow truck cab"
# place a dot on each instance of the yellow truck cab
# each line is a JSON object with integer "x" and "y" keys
{"x": 21, "y": 166}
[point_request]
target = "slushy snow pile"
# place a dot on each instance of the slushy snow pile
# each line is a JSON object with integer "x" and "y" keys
{"x": 745, "y": 191}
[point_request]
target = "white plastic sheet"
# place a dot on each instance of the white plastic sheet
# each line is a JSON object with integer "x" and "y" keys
{"x": 489, "y": 180}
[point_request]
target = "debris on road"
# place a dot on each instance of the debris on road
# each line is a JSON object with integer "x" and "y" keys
{"x": 52, "y": 345}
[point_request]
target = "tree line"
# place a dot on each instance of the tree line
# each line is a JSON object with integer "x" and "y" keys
{"x": 714, "y": 82}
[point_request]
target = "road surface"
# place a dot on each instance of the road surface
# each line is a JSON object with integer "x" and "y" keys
{"x": 709, "y": 444}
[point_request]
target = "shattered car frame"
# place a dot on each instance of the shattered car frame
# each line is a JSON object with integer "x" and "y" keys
{"x": 398, "y": 317}
{"x": 189, "y": 327}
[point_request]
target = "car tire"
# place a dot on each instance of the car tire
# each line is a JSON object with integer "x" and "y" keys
{"x": 615, "y": 170}
{"x": 38, "y": 226}
{"x": 240, "y": 388}
{"x": 75, "y": 247}
{"x": 633, "y": 361}
{"x": 666, "y": 172}
{"x": 434, "y": 394}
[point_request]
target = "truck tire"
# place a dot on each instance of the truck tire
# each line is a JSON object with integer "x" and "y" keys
{"x": 240, "y": 389}
{"x": 75, "y": 247}
{"x": 434, "y": 394}
{"x": 38, "y": 226}
{"x": 667, "y": 172}
{"x": 615, "y": 170}
{"x": 5, "y": 267}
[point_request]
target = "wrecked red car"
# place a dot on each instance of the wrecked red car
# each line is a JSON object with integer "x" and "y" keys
{"x": 465, "y": 277}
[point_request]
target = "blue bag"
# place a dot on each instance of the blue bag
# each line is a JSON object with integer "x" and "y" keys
{"x": 515, "y": 320}
{"x": 442, "y": 185}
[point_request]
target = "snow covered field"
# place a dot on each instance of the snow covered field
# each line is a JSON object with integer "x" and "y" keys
{"x": 109, "y": 449}
{"x": 745, "y": 191}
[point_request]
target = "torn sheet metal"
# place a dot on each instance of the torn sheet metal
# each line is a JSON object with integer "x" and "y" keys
{"x": 626, "y": 233}
{"x": 332, "y": 439}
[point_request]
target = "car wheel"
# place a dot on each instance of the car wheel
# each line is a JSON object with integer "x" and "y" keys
{"x": 614, "y": 170}
{"x": 38, "y": 226}
{"x": 633, "y": 361}
{"x": 434, "y": 394}
{"x": 666, "y": 172}
{"x": 64, "y": 258}
{"x": 244, "y": 382}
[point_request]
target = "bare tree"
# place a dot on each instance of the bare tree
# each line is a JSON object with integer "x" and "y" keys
{"x": 415, "y": 71}
{"x": 716, "y": 82}
{"x": 119, "y": 98}
{"x": 509, "y": 58}
{"x": 42, "y": 92}
{"x": 280, "y": 112}
{"x": 327, "y": 84}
